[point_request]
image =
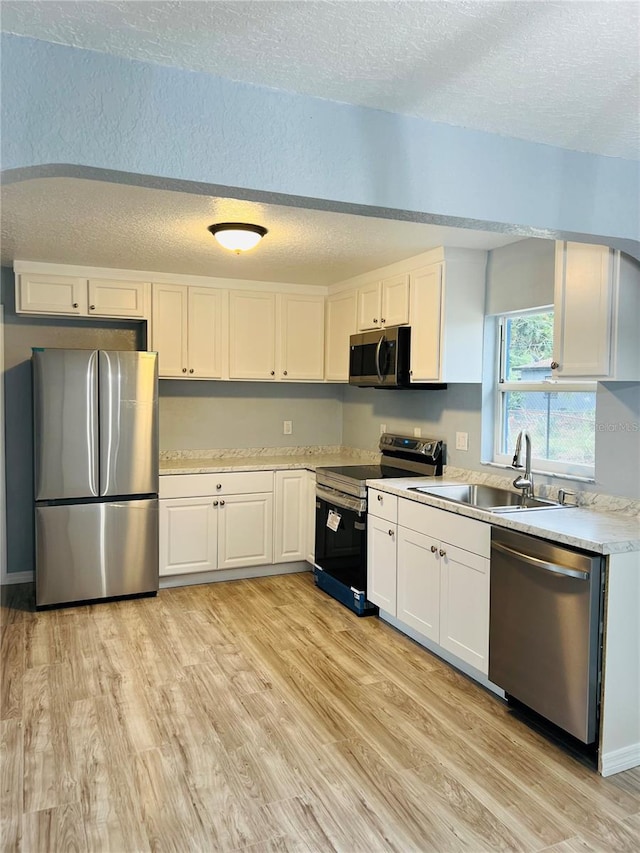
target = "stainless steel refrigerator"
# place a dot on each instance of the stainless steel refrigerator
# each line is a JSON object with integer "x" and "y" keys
{"x": 96, "y": 474}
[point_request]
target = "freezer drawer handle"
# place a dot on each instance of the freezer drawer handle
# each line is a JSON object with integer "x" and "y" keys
{"x": 542, "y": 564}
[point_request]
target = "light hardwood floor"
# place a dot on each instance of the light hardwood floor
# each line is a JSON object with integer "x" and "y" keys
{"x": 262, "y": 715}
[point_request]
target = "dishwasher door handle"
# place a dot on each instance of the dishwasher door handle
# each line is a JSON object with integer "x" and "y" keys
{"x": 542, "y": 564}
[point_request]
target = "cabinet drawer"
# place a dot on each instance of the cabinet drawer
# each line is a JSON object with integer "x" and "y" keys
{"x": 465, "y": 533}
{"x": 229, "y": 483}
{"x": 383, "y": 505}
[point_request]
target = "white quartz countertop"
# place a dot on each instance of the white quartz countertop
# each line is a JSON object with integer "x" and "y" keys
{"x": 256, "y": 463}
{"x": 579, "y": 527}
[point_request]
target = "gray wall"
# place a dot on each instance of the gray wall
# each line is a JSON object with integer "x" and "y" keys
{"x": 20, "y": 334}
{"x": 211, "y": 415}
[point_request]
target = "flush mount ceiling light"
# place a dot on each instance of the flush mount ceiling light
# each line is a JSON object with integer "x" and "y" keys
{"x": 237, "y": 236}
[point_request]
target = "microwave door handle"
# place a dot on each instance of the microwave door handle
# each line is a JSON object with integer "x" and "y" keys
{"x": 378, "y": 348}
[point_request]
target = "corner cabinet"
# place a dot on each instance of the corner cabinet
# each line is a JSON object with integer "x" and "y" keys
{"x": 187, "y": 331}
{"x": 447, "y": 317}
{"x": 597, "y": 312}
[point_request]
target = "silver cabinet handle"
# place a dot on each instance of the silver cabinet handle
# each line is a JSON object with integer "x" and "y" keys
{"x": 380, "y": 498}
{"x": 391, "y": 533}
{"x": 221, "y": 503}
{"x": 218, "y": 485}
{"x": 442, "y": 553}
{"x": 552, "y": 568}
{"x": 434, "y": 548}
{"x": 555, "y": 365}
{"x": 215, "y": 503}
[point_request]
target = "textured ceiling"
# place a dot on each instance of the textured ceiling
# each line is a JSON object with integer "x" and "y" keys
{"x": 74, "y": 221}
{"x": 563, "y": 73}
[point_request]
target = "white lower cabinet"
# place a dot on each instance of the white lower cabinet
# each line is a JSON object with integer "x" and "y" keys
{"x": 290, "y": 516}
{"x": 215, "y": 521}
{"x": 310, "y": 500}
{"x": 430, "y": 584}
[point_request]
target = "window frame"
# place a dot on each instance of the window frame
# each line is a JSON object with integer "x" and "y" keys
{"x": 539, "y": 465}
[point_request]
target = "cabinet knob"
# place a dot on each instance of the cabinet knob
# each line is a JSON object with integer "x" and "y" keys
{"x": 375, "y": 319}
{"x": 382, "y": 320}
{"x": 391, "y": 533}
{"x": 380, "y": 498}
{"x": 434, "y": 548}
{"x": 218, "y": 485}
{"x": 75, "y": 304}
{"x": 191, "y": 371}
{"x": 221, "y": 503}
{"x": 92, "y": 307}
{"x": 285, "y": 372}
{"x": 184, "y": 369}
{"x": 215, "y": 503}
{"x": 555, "y": 365}
{"x": 273, "y": 373}
{"x": 442, "y": 553}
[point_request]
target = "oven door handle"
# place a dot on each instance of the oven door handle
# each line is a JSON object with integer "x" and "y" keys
{"x": 344, "y": 501}
{"x": 378, "y": 348}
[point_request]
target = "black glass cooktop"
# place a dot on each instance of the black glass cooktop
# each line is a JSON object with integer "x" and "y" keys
{"x": 370, "y": 472}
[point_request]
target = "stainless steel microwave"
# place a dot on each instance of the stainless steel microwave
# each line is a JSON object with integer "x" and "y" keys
{"x": 382, "y": 359}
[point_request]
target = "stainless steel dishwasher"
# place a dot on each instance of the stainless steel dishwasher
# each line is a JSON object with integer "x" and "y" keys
{"x": 545, "y": 629}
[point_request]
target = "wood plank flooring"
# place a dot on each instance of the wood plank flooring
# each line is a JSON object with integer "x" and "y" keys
{"x": 261, "y": 715}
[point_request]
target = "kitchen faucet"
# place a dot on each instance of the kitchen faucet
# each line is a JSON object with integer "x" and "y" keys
{"x": 525, "y": 483}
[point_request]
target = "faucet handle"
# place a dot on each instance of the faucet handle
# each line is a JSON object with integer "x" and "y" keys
{"x": 563, "y": 494}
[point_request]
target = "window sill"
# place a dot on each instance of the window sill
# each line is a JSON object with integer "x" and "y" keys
{"x": 575, "y": 477}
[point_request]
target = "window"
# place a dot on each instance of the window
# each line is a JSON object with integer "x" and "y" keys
{"x": 559, "y": 415}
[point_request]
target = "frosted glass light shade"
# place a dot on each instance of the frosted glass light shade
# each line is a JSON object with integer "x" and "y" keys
{"x": 237, "y": 236}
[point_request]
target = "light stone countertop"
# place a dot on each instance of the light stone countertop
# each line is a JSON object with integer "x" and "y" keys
{"x": 264, "y": 462}
{"x": 588, "y": 529}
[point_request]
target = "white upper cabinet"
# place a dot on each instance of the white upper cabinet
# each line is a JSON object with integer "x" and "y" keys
{"x": 384, "y": 303}
{"x": 187, "y": 331}
{"x": 301, "y": 337}
{"x": 252, "y": 335}
{"x": 41, "y": 293}
{"x": 597, "y": 313}
{"x": 342, "y": 321}
{"x": 447, "y": 318}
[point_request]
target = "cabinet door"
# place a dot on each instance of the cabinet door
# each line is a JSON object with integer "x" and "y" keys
{"x": 302, "y": 337}
{"x": 245, "y": 531}
{"x": 252, "y": 335}
{"x": 205, "y": 333}
{"x": 310, "y": 500}
{"x": 464, "y": 606}
{"x": 290, "y": 528}
{"x": 395, "y": 301}
{"x": 426, "y": 323}
{"x": 112, "y": 298}
{"x": 419, "y": 582}
{"x": 188, "y": 535}
{"x": 369, "y": 306}
{"x": 51, "y": 294}
{"x": 583, "y": 318}
{"x": 342, "y": 317}
{"x": 169, "y": 328}
{"x": 381, "y": 563}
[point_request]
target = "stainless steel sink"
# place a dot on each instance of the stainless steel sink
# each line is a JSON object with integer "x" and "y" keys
{"x": 486, "y": 497}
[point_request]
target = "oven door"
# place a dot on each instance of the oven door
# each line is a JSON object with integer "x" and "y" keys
{"x": 341, "y": 537}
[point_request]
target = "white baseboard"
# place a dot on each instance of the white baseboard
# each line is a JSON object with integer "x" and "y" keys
{"x": 17, "y": 577}
{"x": 234, "y": 574}
{"x": 620, "y": 759}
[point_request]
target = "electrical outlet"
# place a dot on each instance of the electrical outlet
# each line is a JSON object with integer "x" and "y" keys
{"x": 462, "y": 441}
{"x": 287, "y": 427}
{"x": 417, "y": 432}
{"x": 383, "y": 428}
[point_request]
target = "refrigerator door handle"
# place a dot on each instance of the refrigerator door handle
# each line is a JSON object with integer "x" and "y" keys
{"x": 92, "y": 426}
